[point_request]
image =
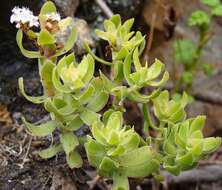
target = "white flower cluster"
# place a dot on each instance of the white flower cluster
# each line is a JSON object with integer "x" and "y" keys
{"x": 53, "y": 16}
{"x": 23, "y": 16}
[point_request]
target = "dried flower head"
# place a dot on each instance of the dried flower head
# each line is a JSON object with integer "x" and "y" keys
{"x": 53, "y": 16}
{"x": 23, "y": 16}
{"x": 52, "y": 20}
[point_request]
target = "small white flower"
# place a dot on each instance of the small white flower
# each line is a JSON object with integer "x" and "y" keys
{"x": 53, "y": 16}
{"x": 23, "y": 16}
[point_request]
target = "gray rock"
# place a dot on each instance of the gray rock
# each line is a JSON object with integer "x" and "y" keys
{"x": 67, "y": 7}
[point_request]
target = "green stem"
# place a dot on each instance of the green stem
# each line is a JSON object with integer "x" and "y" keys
{"x": 120, "y": 181}
{"x": 148, "y": 119}
{"x": 94, "y": 56}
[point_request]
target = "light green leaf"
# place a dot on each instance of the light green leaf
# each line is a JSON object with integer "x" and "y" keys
{"x": 106, "y": 115}
{"x": 120, "y": 182}
{"x": 69, "y": 43}
{"x": 46, "y": 75}
{"x": 186, "y": 160}
{"x": 89, "y": 117}
{"x": 85, "y": 96}
{"x": 90, "y": 71}
{"x": 41, "y": 130}
{"x": 174, "y": 169}
{"x": 35, "y": 100}
{"x": 45, "y": 38}
{"x": 69, "y": 142}
{"x": 116, "y": 151}
{"x": 121, "y": 54}
{"x": 74, "y": 159}
{"x": 98, "y": 134}
{"x": 86, "y": 46}
{"x": 169, "y": 148}
{"x": 116, "y": 20}
{"x": 51, "y": 151}
{"x": 139, "y": 163}
{"x": 109, "y": 26}
{"x": 48, "y": 7}
{"x": 108, "y": 84}
{"x": 107, "y": 167}
{"x": 161, "y": 82}
{"x": 57, "y": 83}
{"x": 138, "y": 97}
{"x": 118, "y": 71}
{"x": 128, "y": 24}
{"x": 26, "y": 53}
{"x": 155, "y": 70}
{"x": 95, "y": 152}
{"x": 127, "y": 69}
{"x": 98, "y": 102}
{"x": 74, "y": 124}
{"x": 113, "y": 138}
{"x": 115, "y": 121}
{"x": 211, "y": 144}
{"x": 197, "y": 123}
{"x": 136, "y": 60}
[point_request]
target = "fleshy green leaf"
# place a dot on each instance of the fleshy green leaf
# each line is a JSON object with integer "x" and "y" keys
{"x": 57, "y": 83}
{"x": 97, "y": 133}
{"x": 121, "y": 54}
{"x": 127, "y": 69}
{"x": 138, "y": 97}
{"x": 87, "y": 48}
{"x": 74, "y": 159}
{"x": 48, "y": 7}
{"x": 115, "y": 121}
{"x": 139, "y": 163}
{"x": 26, "y": 53}
{"x": 46, "y": 76}
{"x": 35, "y": 100}
{"x": 74, "y": 124}
{"x": 95, "y": 152}
{"x": 89, "y": 117}
{"x": 116, "y": 20}
{"x": 136, "y": 60}
{"x": 41, "y": 130}
{"x": 85, "y": 96}
{"x": 107, "y": 167}
{"x": 69, "y": 43}
{"x": 69, "y": 142}
{"x": 98, "y": 102}
{"x": 186, "y": 159}
{"x": 161, "y": 82}
{"x": 51, "y": 151}
{"x": 120, "y": 182}
{"x": 197, "y": 124}
{"x": 90, "y": 71}
{"x": 211, "y": 144}
{"x": 45, "y": 38}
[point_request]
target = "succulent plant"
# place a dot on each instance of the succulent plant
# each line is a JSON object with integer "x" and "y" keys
{"x": 117, "y": 151}
{"x": 184, "y": 145}
{"x": 75, "y": 97}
